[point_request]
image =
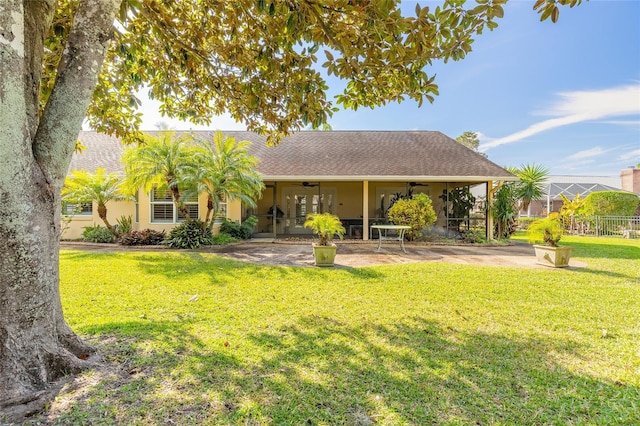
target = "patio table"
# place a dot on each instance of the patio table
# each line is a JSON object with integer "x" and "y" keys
{"x": 383, "y": 236}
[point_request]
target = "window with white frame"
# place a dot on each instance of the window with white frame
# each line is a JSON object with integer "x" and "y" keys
{"x": 77, "y": 209}
{"x": 163, "y": 209}
{"x": 222, "y": 208}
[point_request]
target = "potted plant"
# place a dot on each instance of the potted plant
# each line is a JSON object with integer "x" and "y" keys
{"x": 325, "y": 226}
{"x": 549, "y": 231}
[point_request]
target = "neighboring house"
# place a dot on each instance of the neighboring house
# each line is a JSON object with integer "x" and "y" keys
{"x": 353, "y": 174}
{"x": 630, "y": 179}
{"x": 570, "y": 186}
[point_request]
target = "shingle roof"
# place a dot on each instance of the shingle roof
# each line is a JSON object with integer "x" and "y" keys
{"x": 101, "y": 151}
{"x": 325, "y": 155}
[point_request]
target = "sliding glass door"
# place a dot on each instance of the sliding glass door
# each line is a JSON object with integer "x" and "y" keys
{"x": 303, "y": 200}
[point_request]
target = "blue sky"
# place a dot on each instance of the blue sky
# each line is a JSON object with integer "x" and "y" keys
{"x": 564, "y": 95}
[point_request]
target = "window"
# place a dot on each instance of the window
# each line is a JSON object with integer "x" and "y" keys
{"x": 137, "y": 211}
{"x": 81, "y": 209}
{"x": 384, "y": 197}
{"x": 164, "y": 211}
{"x": 222, "y": 208}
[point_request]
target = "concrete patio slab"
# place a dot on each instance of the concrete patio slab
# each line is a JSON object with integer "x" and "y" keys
{"x": 356, "y": 254}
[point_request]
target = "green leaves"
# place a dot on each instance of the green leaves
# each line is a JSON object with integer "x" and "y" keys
{"x": 549, "y": 8}
{"x": 256, "y": 59}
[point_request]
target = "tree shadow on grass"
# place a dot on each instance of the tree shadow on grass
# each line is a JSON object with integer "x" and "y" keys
{"x": 599, "y": 272}
{"x": 319, "y": 370}
{"x": 219, "y": 270}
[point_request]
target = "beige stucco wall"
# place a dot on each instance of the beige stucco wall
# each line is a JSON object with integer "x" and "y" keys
{"x": 73, "y": 228}
{"x": 432, "y": 189}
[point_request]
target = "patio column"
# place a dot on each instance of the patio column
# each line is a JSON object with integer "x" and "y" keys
{"x": 365, "y": 210}
{"x": 274, "y": 210}
{"x": 489, "y": 220}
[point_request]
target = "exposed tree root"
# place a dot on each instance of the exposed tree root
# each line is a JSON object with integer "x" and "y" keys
{"x": 18, "y": 410}
{"x": 71, "y": 342}
{"x": 62, "y": 366}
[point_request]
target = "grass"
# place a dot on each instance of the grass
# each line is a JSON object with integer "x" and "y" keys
{"x": 198, "y": 339}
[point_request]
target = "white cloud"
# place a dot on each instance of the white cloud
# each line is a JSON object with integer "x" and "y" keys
{"x": 630, "y": 123}
{"x": 577, "y": 107}
{"x": 587, "y": 153}
{"x": 630, "y": 155}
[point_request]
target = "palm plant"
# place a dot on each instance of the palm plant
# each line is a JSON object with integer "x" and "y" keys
{"x": 570, "y": 209}
{"x": 531, "y": 185}
{"x": 548, "y": 230}
{"x": 101, "y": 187}
{"x": 325, "y": 226}
{"x": 225, "y": 171}
{"x": 161, "y": 162}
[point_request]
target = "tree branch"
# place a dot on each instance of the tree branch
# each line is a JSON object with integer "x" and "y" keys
{"x": 71, "y": 95}
{"x": 38, "y": 16}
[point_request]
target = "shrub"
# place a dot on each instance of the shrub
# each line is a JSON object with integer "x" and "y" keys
{"x": 145, "y": 237}
{"x": 97, "y": 234}
{"x": 610, "y": 203}
{"x": 474, "y": 236}
{"x": 417, "y": 213}
{"x": 222, "y": 239}
{"x": 239, "y": 231}
{"x": 191, "y": 234}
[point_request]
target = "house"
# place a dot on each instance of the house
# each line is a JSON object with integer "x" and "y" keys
{"x": 570, "y": 186}
{"x": 630, "y": 179}
{"x": 354, "y": 174}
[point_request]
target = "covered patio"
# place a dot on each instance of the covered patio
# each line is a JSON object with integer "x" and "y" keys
{"x": 357, "y": 174}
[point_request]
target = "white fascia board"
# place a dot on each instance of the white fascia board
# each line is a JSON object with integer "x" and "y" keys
{"x": 289, "y": 178}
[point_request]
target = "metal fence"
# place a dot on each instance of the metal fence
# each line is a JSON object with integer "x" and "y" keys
{"x": 617, "y": 226}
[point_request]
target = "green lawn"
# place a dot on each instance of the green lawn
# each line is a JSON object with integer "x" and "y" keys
{"x": 410, "y": 344}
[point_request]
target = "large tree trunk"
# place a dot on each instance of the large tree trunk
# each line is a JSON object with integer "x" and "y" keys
{"x": 36, "y": 345}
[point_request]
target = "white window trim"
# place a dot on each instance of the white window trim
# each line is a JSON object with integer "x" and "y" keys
{"x": 175, "y": 218}
{"x": 81, "y": 213}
